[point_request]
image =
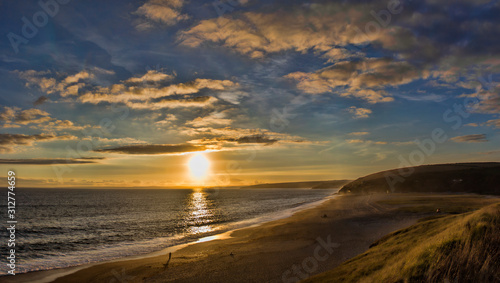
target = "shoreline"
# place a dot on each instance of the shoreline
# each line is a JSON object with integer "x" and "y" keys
{"x": 50, "y": 275}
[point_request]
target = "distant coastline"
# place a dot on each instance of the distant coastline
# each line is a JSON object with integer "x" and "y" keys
{"x": 330, "y": 184}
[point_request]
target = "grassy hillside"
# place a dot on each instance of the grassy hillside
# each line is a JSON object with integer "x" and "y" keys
{"x": 482, "y": 178}
{"x": 453, "y": 248}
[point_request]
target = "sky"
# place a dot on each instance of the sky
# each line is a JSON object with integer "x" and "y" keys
{"x": 126, "y": 93}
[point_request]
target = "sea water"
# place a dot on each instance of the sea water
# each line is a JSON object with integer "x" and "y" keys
{"x": 67, "y": 227}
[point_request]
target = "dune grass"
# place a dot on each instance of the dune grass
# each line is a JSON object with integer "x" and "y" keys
{"x": 455, "y": 248}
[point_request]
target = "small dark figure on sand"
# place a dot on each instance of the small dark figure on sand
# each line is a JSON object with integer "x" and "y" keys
{"x": 324, "y": 216}
{"x": 169, "y": 258}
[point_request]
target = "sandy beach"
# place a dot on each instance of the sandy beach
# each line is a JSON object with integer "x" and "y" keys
{"x": 287, "y": 250}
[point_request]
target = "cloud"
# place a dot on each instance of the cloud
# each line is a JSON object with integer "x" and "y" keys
{"x": 359, "y": 112}
{"x": 163, "y": 12}
{"x": 31, "y": 116}
{"x": 332, "y": 30}
{"x": 167, "y": 120}
{"x": 123, "y": 93}
{"x": 236, "y": 138}
{"x": 151, "y": 77}
{"x": 494, "y": 123}
{"x": 369, "y": 142}
{"x": 472, "y": 124}
{"x": 361, "y": 79}
{"x": 41, "y": 100}
{"x": 57, "y": 125}
{"x": 441, "y": 42}
{"x": 255, "y": 139}
{"x": 50, "y": 161}
{"x": 13, "y": 117}
{"x": 359, "y": 133}
{"x": 141, "y": 92}
{"x": 200, "y": 101}
{"x": 8, "y": 114}
{"x": 424, "y": 97}
{"x": 233, "y": 97}
{"x": 9, "y": 141}
{"x": 488, "y": 100}
{"x": 83, "y": 75}
{"x": 214, "y": 119}
{"x": 318, "y": 27}
{"x": 365, "y": 141}
{"x": 212, "y": 139}
{"x": 153, "y": 149}
{"x": 67, "y": 86}
{"x": 37, "y": 78}
{"x": 470, "y": 138}
{"x": 493, "y": 152}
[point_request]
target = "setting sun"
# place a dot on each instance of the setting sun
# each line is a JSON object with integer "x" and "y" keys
{"x": 198, "y": 166}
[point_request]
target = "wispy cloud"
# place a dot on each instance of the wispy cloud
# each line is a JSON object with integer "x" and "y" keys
{"x": 359, "y": 133}
{"x": 153, "y": 149}
{"x": 214, "y": 118}
{"x": 13, "y": 117}
{"x": 213, "y": 139}
{"x": 51, "y": 161}
{"x": 470, "y": 138}
{"x": 361, "y": 141}
{"x": 494, "y": 123}
{"x": 9, "y": 141}
{"x": 149, "y": 91}
{"x": 359, "y": 112}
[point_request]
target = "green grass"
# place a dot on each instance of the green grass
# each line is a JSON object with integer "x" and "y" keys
{"x": 458, "y": 248}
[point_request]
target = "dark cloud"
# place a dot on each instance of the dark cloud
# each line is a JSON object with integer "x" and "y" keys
{"x": 470, "y": 138}
{"x": 20, "y": 139}
{"x": 256, "y": 139}
{"x": 8, "y": 141}
{"x": 50, "y": 161}
{"x": 154, "y": 149}
{"x": 41, "y": 100}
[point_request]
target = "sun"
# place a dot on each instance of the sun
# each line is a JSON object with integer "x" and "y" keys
{"x": 198, "y": 166}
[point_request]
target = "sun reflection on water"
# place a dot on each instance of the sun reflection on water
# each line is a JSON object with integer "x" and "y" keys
{"x": 200, "y": 215}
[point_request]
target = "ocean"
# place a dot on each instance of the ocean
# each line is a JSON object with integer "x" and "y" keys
{"x": 67, "y": 227}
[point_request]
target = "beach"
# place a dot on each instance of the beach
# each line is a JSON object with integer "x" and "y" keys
{"x": 286, "y": 250}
